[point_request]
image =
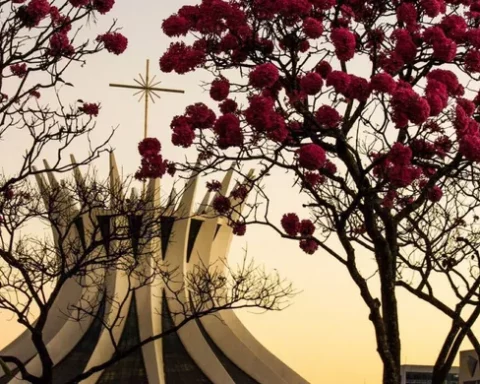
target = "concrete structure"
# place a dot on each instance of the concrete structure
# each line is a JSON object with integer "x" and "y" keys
{"x": 469, "y": 367}
{"x": 422, "y": 374}
{"x": 214, "y": 349}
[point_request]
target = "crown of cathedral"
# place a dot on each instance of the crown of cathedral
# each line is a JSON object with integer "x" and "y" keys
{"x": 212, "y": 349}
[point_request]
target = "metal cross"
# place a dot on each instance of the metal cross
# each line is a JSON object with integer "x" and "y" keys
{"x": 147, "y": 89}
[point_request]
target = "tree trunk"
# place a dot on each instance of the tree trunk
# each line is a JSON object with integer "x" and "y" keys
{"x": 391, "y": 359}
{"x": 44, "y": 355}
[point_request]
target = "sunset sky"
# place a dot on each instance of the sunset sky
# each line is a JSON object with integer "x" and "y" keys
{"x": 325, "y": 334}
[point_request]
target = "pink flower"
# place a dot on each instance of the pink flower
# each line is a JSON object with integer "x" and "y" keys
{"x": 200, "y": 116}
{"x": 240, "y": 192}
{"x": 290, "y": 224}
{"x": 400, "y": 154}
{"x": 323, "y": 4}
{"x": 454, "y": 27}
{"x": 264, "y": 75}
{"x": 312, "y": 28}
{"x": 309, "y": 246}
{"x": 149, "y": 146}
{"x": 312, "y": 179}
{"x": 449, "y": 79}
{"x": 344, "y": 42}
{"x": 214, "y": 186}
{"x": 358, "y": 88}
{"x": 311, "y": 83}
{"x": 473, "y": 37}
{"x": 176, "y": 26}
{"x": 437, "y": 96}
{"x": 79, "y": 3}
{"x": 306, "y": 228}
{"x": 404, "y": 47}
{"x": 311, "y": 157}
{"x": 221, "y": 204}
{"x": 435, "y": 194}
{"x": 60, "y": 46}
{"x": 383, "y": 82}
{"x": 328, "y": 117}
{"x": 219, "y": 89}
{"x": 90, "y": 109}
{"x": 259, "y": 112}
{"x": 227, "y": 127}
{"x": 183, "y": 136}
{"x": 391, "y": 64}
{"x": 239, "y": 228}
{"x": 181, "y": 58}
{"x": 278, "y": 131}
{"x": 19, "y": 69}
{"x": 323, "y": 68}
{"x": 330, "y": 167}
{"x": 339, "y": 81}
{"x": 151, "y": 167}
{"x": 114, "y": 42}
{"x": 470, "y": 147}
{"x": 472, "y": 61}
{"x": 408, "y": 105}
{"x": 34, "y": 93}
{"x": 467, "y": 105}
{"x": 407, "y": 13}
{"x": 32, "y": 14}
{"x": 445, "y": 50}
{"x": 103, "y": 6}
{"x": 267, "y": 9}
{"x": 433, "y": 7}
{"x": 389, "y": 199}
{"x": 228, "y": 106}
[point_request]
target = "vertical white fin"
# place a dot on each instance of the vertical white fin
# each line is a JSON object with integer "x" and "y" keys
{"x": 116, "y": 190}
{"x": 204, "y": 204}
{"x": 76, "y": 172}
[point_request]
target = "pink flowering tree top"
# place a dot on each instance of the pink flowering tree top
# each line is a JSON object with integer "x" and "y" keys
{"x": 39, "y": 40}
{"x": 372, "y": 106}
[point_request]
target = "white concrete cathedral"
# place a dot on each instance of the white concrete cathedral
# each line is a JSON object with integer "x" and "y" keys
{"x": 213, "y": 349}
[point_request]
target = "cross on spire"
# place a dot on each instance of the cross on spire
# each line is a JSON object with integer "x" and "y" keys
{"x": 147, "y": 89}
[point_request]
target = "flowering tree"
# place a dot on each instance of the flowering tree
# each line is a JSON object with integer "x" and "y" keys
{"x": 372, "y": 108}
{"x": 39, "y": 40}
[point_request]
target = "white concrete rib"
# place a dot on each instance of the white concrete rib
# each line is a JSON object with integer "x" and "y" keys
{"x": 190, "y": 334}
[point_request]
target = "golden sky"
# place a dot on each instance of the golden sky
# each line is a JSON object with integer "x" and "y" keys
{"x": 325, "y": 334}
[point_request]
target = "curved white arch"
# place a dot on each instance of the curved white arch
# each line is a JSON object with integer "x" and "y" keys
{"x": 190, "y": 334}
{"x": 219, "y": 253}
{"x": 149, "y": 300}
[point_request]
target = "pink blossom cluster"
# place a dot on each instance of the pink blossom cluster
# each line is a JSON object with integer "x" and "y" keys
{"x": 225, "y": 206}
{"x": 32, "y": 14}
{"x": 293, "y": 227}
{"x": 152, "y": 164}
{"x": 197, "y": 116}
{"x": 90, "y": 109}
{"x": 114, "y": 42}
{"x": 305, "y": 110}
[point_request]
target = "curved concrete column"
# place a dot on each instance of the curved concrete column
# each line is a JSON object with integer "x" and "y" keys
{"x": 68, "y": 336}
{"x": 118, "y": 288}
{"x": 220, "y": 249}
{"x": 190, "y": 335}
{"x": 149, "y": 297}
